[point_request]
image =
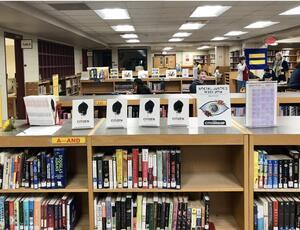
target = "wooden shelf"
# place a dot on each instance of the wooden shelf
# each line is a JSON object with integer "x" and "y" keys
{"x": 202, "y": 182}
{"x": 224, "y": 222}
{"x": 77, "y": 183}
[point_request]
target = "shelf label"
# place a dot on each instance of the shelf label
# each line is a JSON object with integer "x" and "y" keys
{"x": 68, "y": 140}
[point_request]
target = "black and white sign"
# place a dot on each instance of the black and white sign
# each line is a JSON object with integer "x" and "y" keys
{"x": 178, "y": 112}
{"x": 127, "y": 74}
{"x": 149, "y": 113}
{"x": 83, "y": 114}
{"x": 26, "y": 44}
{"x": 116, "y": 113}
{"x": 213, "y": 105}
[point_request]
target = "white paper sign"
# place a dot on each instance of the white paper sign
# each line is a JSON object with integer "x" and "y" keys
{"x": 213, "y": 105}
{"x": 155, "y": 72}
{"x": 143, "y": 74}
{"x": 116, "y": 113}
{"x": 127, "y": 74}
{"x": 149, "y": 112}
{"x": 261, "y": 101}
{"x": 83, "y": 114}
{"x": 185, "y": 72}
{"x": 171, "y": 73}
{"x": 114, "y": 73}
{"x": 178, "y": 112}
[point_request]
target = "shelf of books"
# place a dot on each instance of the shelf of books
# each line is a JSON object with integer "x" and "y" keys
{"x": 274, "y": 175}
{"x": 43, "y": 179}
{"x": 234, "y": 59}
{"x": 169, "y": 176}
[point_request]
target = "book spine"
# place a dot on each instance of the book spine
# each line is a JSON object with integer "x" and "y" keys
{"x": 285, "y": 173}
{"x": 95, "y": 184}
{"x": 119, "y": 157}
{"x": 159, "y": 169}
{"x": 154, "y": 162}
{"x": 275, "y": 174}
{"x": 165, "y": 169}
{"x": 124, "y": 168}
{"x": 291, "y": 174}
{"x": 173, "y": 168}
{"x": 43, "y": 170}
{"x": 265, "y": 171}
{"x": 145, "y": 167}
{"x": 140, "y": 172}
{"x": 129, "y": 171}
{"x": 114, "y": 171}
{"x": 150, "y": 170}
{"x": 256, "y": 169}
{"x": 198, "y": 218}
{"x": 269, "y": 174}
{"x": 135, "y": 167}
{"x": 260, "y": 170}
{"x": 105, "y": 173}
{"x": 52, "y": 168}
{"x": 111, "y": 174}
{"x": 296, "y": 173}
{"x": 174, "y": 218}
{"x": 35, "y": 174}
{"x": 178, "y": 169}
{"x": 280, "y": 173}
{"x": 168, "y": 169}
{"x": 99, "y": 165}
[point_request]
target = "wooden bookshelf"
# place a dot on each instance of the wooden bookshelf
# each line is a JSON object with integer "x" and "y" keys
{"x": 234, "y": 57}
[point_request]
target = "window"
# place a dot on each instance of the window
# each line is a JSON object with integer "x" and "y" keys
{"x": 129, "y": 59}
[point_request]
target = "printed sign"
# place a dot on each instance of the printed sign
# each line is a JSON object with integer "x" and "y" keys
{"x": 213, "y": 105}
{"x": 185, "y": 72}
{"x": 68, "y": 140}
{"x": 26, "y": 44}
{"x": 171, "y": 73}
{"x": 178, "y": 112}
{"x": 114, "y": 73}
{"x": 127, "y": 74}
{"x": 143, "y": 74}
{"x": 116, "y": 113}
{"x": 83, "y": 114}
{"x": 261, "y": 101}
{"x": 155, "y": 72}
{"x": 55, "y": 80}
{"x": 149, "y": 112}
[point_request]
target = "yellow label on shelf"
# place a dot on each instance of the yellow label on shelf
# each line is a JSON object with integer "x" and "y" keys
{"x": 261, "y": 55}
{"x": 55, "y": 80}
{"x": 68, "y": 140}
{"x": 257, "y": 62}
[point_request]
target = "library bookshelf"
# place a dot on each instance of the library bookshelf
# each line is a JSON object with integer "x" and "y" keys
{"x": 213, "y": 160}
{"x": 286, "y": 133}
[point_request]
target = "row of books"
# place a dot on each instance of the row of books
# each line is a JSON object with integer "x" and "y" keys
{"x": 156, "y": 86}
{"x": 289, "y": 110}
{"x": 123, "y": 87}
{"x": 38, "y": 212}
{"x": 152, "y": 211}
{"x": 276, "y": 170}
{"x": 238, "y": 111}
{"x": 28, "y": 169}
{"x": 145, "y": 168}
{"x": 274, "y": 211}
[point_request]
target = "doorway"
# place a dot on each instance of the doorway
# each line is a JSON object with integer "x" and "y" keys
{"x": 14, "y": 76}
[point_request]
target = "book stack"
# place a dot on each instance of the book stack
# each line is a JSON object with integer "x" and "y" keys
{"x": 273, "y": 211}
{"x": 152, "y": 211}
{"x": 133, "y": 111}
{"x": 145, "y": 169}
{"x": 33, "y": 170}
{"x": 38, "y": 212}
{"x": 289, "y": 110}
{"x": 276, "y": 171}
{"x": 238, "y": 111}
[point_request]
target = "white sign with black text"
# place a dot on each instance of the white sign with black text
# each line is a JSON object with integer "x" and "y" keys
{"x": 213, "y": 105}
{"x": 149, "y": 112}
{"x": 116, "y": 113}
{"x": 178, "y": 112}
{"x": 83, "y": 114}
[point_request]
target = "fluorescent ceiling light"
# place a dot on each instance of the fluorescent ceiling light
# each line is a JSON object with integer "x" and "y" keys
{"x": 290, "y": 40}
{"x": 167, "y": 48}
{"x": 260, "y": 24}
{"x": 203, "y": 47}
{"x": 123, "y": 28}
{"x": 133, "y": 41}
{"x": 182, "y": 34}
{"x": 164, "y": 52}
{"x": 113, "y": 13}
{"x": 294, "y": 11}
{"x": 129, "y": 36}
{"x": 235, "y": 33}
{"x": 175, "y": 39}
{"x": 218, "y": 39}
{"x": 209, "y": 11}
{"x": 191, "y": 26}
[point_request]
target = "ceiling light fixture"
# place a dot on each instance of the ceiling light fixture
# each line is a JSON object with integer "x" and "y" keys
{"x": 167, "y": 48}
{"x": 293, "y": 11}
{"x": 113, "y": 13}
{"x": 123, "y": 28}
{"x": 209, "y": 11}
{"x": 203, "y": 47}
{"x": 218, "y": 39}
{"x": 260, "y": 24}
{"x": 133, "y": 41}
{"x": 191, "y": 26}
{"x": 235, "y": 33}
{"x": 175, "y": 39}
{"x": 127, "y": 36}
{"x": 182, "y": 34}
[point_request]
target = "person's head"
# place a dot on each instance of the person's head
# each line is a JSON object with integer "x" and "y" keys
{"x": 267, "y": 70}
{"x": 217, "y": 68}
{"x": 278, "y": 56}
{"x": 137, "y": 83}
{"x": 242, "y": 59}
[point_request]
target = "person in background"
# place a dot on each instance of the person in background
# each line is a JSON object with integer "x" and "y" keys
{"x": 193, "y": 86}
{"x": 242, "y": 67}
{"x": 217, "y": 74}
{"x": 280, "y": 67}
{"x": 140, "y": 87}
{"x": 294, "y": 82}
{"x": 269, "y": 75}
{"x": 203, "y": 75}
